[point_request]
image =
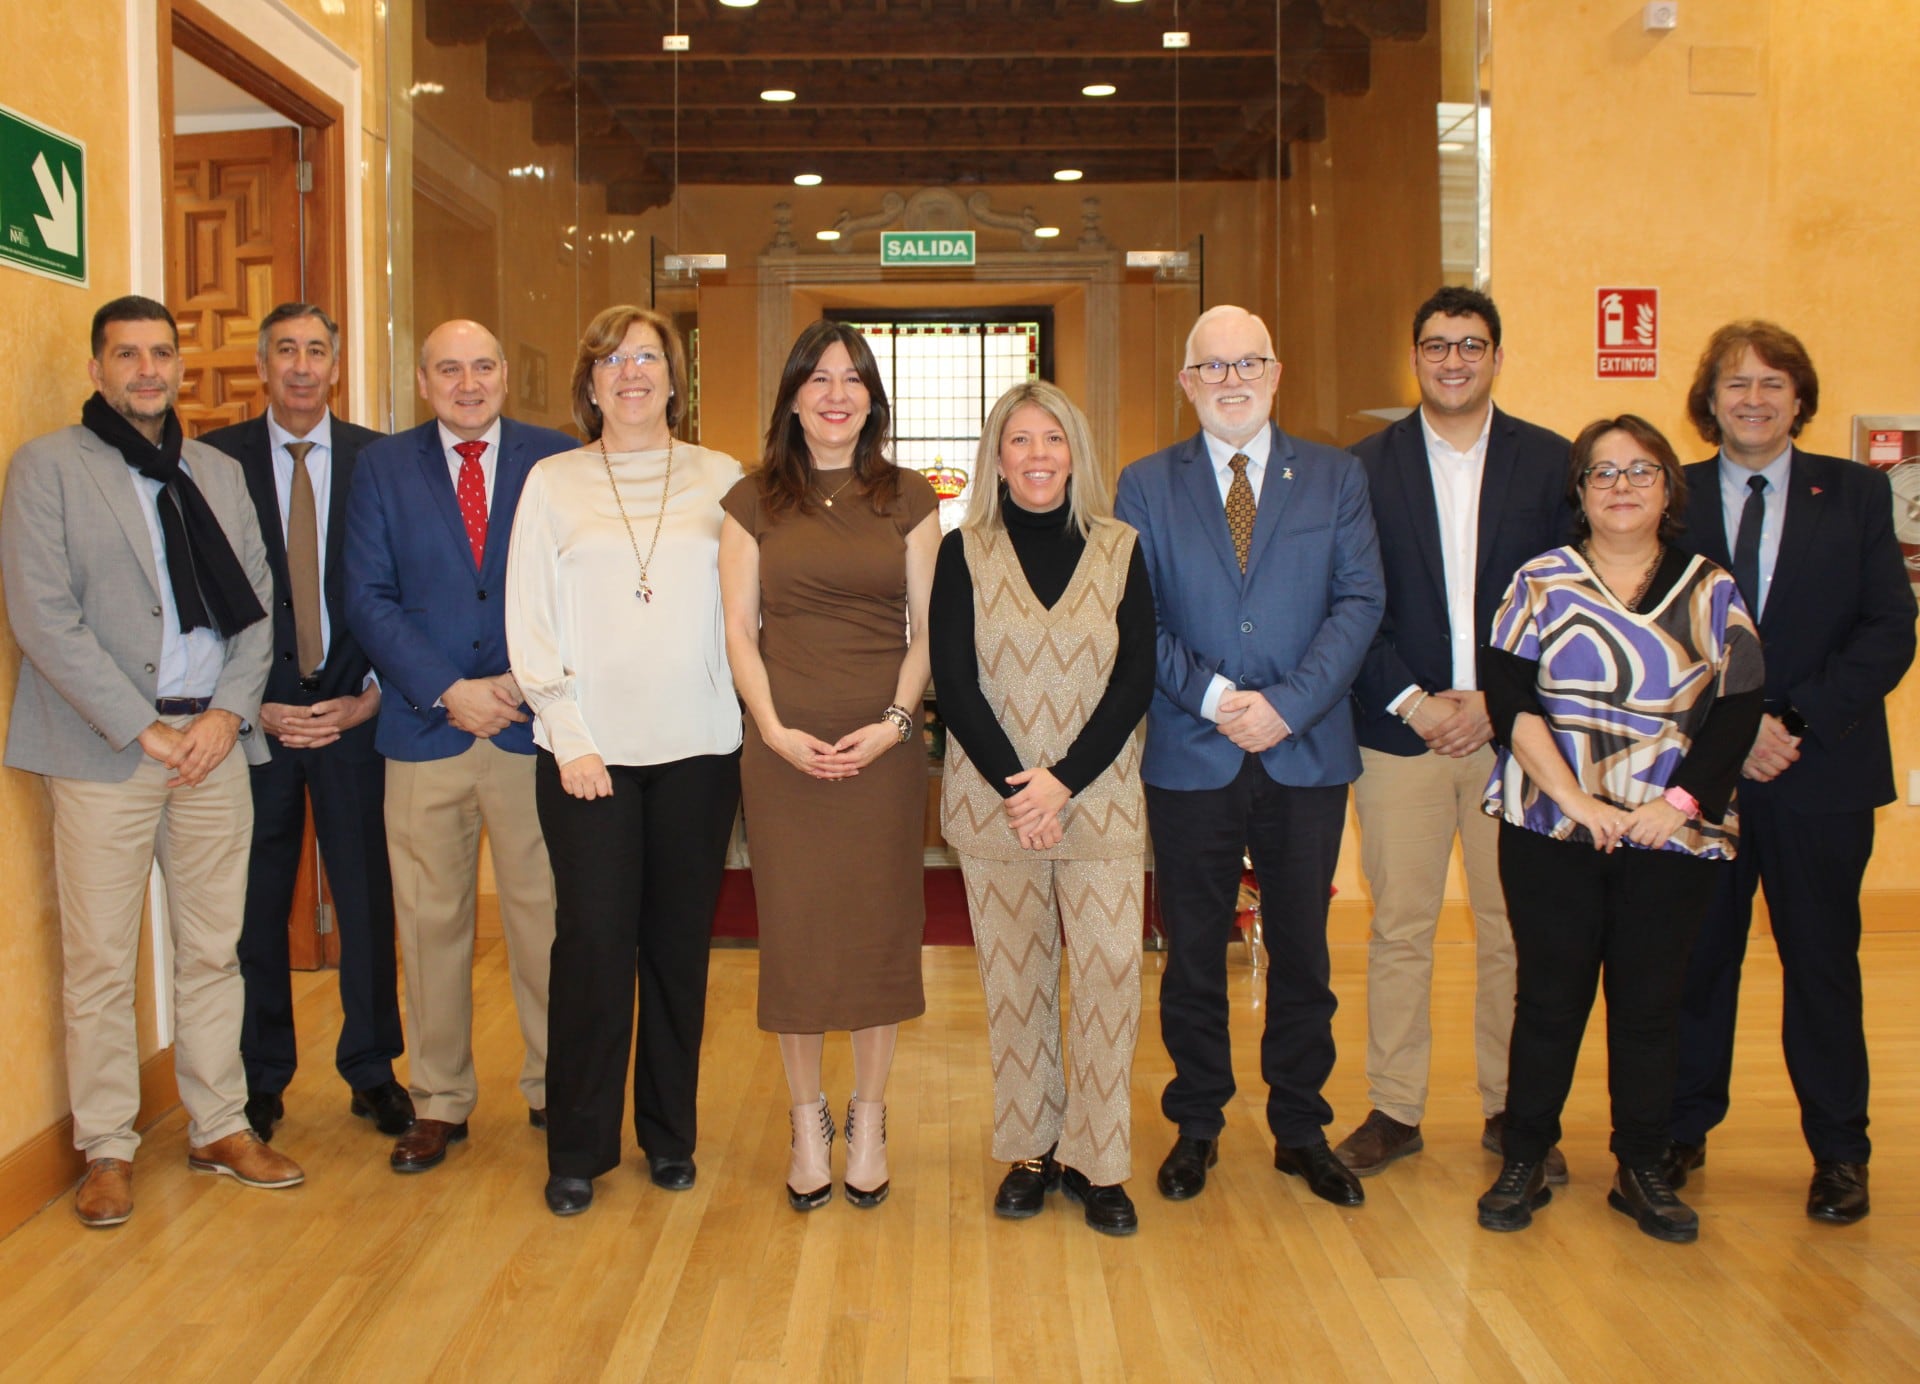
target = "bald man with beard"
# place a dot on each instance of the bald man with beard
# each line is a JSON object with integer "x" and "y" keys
{"x": 426, "y": 554}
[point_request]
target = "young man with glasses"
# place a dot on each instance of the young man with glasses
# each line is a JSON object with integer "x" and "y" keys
{"x": 1266, "y": 578}
{"x": 1463, "y": 494}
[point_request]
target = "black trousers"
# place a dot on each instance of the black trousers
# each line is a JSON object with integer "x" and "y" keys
{"x": 1582, "y": 919}
{"x": 1811, "y": 864}
{"x": 347, "y": 783}
{"x": 636, "y": 877}
{"x": 1293, "y": 837}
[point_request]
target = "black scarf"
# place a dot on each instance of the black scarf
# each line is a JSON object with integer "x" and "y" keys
{"x": 210, "y": 587}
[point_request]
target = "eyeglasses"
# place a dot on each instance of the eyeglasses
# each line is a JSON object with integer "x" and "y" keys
{"x": 1437, "y": 348}
{"x": 1248, "y": 368}
{"x": 1640, "y": 475}
{"x": 642, "y": 358}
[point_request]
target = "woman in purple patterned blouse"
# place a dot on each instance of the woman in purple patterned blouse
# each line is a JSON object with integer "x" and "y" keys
{"x": 1624, "y": 683}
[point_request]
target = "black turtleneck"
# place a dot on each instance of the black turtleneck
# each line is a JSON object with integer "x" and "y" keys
{"x": 1049, "y": 547}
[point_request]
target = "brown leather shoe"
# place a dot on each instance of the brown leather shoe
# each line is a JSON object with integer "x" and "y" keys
{"x": 425, "y": 1145}
{"x": 106, "y": 1193}
{"x": 1379, "y": 1141}
{"x": 242, "y": 1155}
{"x": 1494, "y": 1137}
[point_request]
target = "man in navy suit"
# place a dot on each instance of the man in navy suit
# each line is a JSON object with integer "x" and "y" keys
{"x": 1266, "y": 578}
{"x": 1810, "y": 541}
{"x": 1463, "y": 494}
{"x": 427, "y": 530}
{"x": 298, "y": 460}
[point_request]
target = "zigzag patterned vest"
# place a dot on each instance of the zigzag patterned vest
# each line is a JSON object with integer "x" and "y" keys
{"x": 1043, "y": 672}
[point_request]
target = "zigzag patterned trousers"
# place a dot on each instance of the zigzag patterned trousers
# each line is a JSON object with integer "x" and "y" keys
{"x": 1019, "y": 908}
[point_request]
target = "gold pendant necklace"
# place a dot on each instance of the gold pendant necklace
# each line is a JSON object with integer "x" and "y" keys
{"x": 643, "y": 591}
{"x": 828, "y": 500}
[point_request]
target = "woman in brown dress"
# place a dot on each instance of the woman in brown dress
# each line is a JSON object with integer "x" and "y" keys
{"x": 826, "y": 563}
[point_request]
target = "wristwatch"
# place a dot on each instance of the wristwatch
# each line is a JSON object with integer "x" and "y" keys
{"x": 1795, "y": 723}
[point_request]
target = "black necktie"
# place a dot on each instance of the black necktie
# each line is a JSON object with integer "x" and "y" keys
{"x": 1746, "y": 545}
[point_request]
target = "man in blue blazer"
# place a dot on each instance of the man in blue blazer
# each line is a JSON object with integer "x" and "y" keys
{"x": 1266, "y": 578}
{"x": 318, "y": 709}
{"x": 1463, "y": 494}
{"x": 427, "y": 530}
{"x": 1810, "y": 541}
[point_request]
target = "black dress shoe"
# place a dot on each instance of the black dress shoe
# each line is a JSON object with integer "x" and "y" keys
{"x": 1838, "y": 1195}
{"x": 674, "y": 1174}
{"x": 537, "y": 1118}
{"x": 1646, "y": 1195}
{"x": 1109, "y": 1208}
{"x": 1327, "y": 1177}
{"x": 1519, "y": 1191}
{"x": 1023, "y": 1191}
{"x": 569, "y": 1196}
{"x": 388, "y": 1105}
{"x": 1681, "y": 1159}
{"x": 1183, "y": 1174}
{"x": 264, "y": 1110}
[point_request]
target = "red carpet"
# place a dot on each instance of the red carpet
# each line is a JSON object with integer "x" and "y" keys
{"x": 947, "y": 924}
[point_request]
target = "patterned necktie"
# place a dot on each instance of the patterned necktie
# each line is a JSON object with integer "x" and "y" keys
{"x": 1746, "y": 544}
{"x": 1240, "y": 509}
{"x": 471, "y": 491}
{"x": 303, "y": 562}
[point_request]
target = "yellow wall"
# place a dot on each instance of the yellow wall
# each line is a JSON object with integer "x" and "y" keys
{"x": 1796, "y": 203}
{"x": 43, "y": 336}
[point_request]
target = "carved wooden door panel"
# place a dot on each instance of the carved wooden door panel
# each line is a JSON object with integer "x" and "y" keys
{"x": 235, "y": 254}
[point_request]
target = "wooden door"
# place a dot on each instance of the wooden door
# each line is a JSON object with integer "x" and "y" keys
{"x": 234, "y": 255}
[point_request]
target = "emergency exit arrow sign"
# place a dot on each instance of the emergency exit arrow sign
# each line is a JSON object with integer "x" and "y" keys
{"x": 43, "y": 215}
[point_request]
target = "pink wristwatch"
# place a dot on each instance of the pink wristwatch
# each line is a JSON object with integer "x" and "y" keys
{"x": 1682, "y": 801}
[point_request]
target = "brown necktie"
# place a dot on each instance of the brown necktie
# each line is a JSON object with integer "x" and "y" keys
{"x": 1240, "y": 509}
{"x": 303, "y": 562}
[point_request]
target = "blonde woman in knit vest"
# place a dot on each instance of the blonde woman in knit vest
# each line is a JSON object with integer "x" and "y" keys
{"x": 1042, "y": 631}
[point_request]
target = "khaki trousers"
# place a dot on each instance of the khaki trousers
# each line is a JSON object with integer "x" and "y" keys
{"x": 435, "y": 809}
{"x": 105, "y": 839}
{"x": 1018, "y": 910}
{"x": 1411, "y": 808}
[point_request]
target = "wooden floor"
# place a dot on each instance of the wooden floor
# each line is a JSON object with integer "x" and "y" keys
{"x": 461, "y": 1273}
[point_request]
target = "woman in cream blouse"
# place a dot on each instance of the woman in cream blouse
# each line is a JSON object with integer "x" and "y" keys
{"x": 614, "y": 629}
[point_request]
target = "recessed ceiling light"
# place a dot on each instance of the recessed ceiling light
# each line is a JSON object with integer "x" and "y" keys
{"x": 739, "y": 4}
{"x": 776, "y": 94}
{"x": 826, "y": 235}
{"x": 1068, "y": 175}
{"x": 1099, "y": 89}
{"x": 1452, "y": 146}
{"x": 1046, "y": 232}
{"x": 807, "y": 179}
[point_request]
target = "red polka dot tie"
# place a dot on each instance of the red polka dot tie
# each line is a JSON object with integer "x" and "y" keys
{"x": 471, "y": 491}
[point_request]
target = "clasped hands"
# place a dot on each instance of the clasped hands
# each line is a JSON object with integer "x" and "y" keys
{"x": 1648, "y": 825}
{"x": 322, "y": 723}
{"x": 1249, "y": 721}
{"x": 843, "y": 759}
{"x": 1773, "y": 753}
{"x": 1453, "y": 723}
{"x": 194, "y": 750}
{"x": 483, "y": 707}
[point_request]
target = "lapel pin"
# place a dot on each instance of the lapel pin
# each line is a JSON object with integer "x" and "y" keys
{"x": 1286, "y": 474}
{"x": 1817, "y": 489}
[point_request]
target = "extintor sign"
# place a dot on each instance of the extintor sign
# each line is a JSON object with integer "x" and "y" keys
{"x": 1628, "y": 333}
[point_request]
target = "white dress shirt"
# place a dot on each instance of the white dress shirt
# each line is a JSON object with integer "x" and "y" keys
{"x": 635, "y": 682}
{"x": 320, "y": 476}
{"x": 1773, "y": 513}
{"x": 1457, "y": 476}
{"x": 1257, "y": 449}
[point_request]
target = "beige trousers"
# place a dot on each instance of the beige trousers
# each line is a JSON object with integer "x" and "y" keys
{"x": 1018, "y": 910}
{"x": 1411, "y": 808}
{"x": 105, "y": 839}
{"x": 435, "y": 809}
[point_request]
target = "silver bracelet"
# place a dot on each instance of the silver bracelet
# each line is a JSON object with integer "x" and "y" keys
{"x": 902, "y": 720}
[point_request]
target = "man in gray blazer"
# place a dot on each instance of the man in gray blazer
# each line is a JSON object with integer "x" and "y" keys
{"x": 135, "y": 586}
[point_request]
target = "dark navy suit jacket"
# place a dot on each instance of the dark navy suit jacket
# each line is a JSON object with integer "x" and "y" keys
{"x": 425, "y": 615}
{"x": 1837, "y": 627}
{"x": 1295, "y": 626}
{"x": 344, "y": 672}
{"x": 1523, "y": 513}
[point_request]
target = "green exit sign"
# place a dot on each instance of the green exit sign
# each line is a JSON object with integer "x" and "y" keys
{"x": 43, "y": 192}
{"x": 910, "y": 249}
